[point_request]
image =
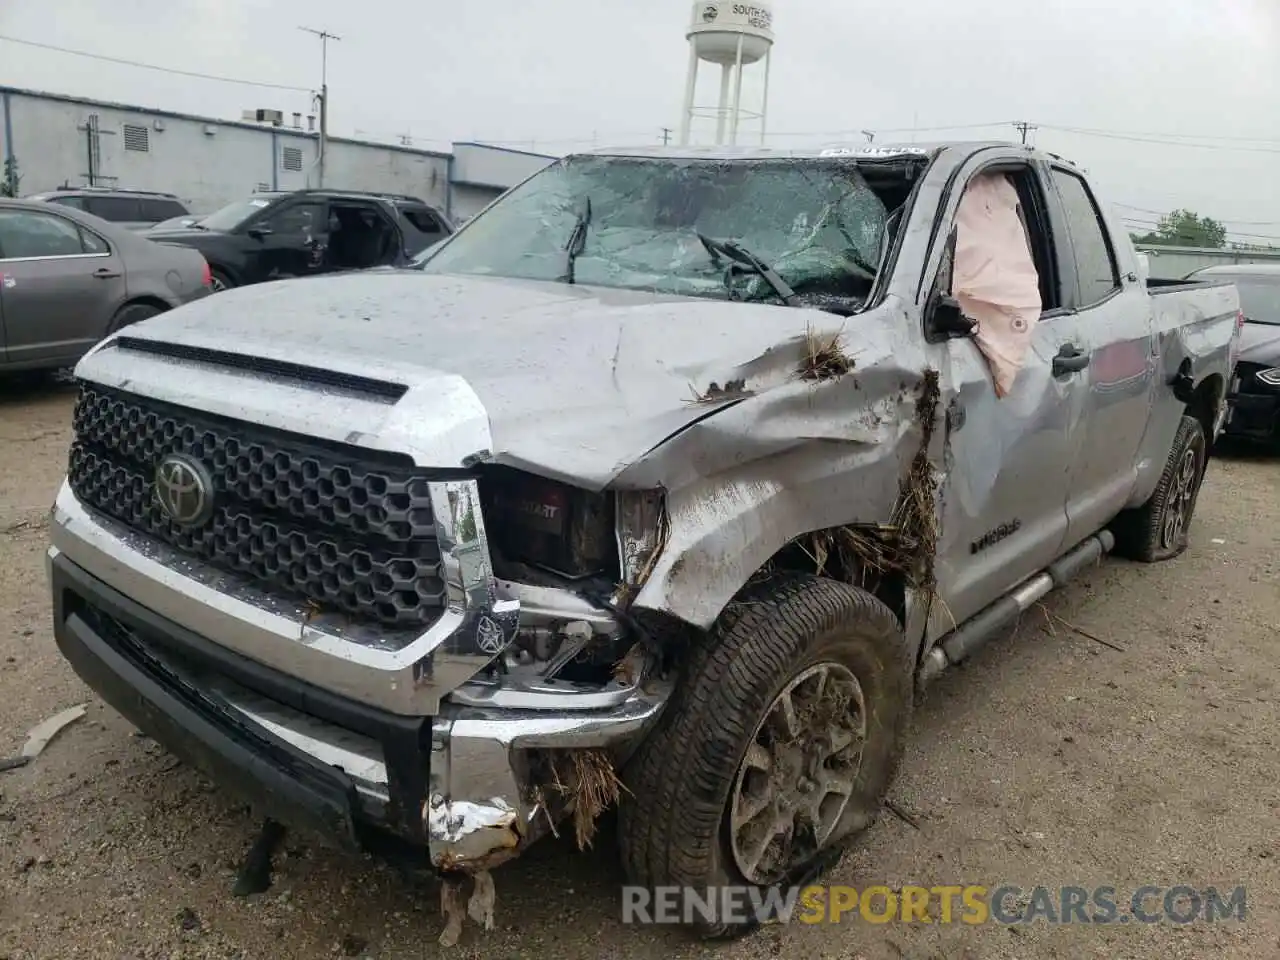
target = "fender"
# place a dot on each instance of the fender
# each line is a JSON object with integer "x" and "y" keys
{"x": 1183, "y": 384}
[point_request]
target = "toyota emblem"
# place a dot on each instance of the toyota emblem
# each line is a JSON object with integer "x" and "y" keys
{"x": 184, "y": 490}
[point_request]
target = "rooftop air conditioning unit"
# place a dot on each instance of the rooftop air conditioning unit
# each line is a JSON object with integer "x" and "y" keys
{"x": 273, "y": 117}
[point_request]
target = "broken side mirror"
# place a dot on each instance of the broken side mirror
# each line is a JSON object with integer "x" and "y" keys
{"x": 944, "y": 320}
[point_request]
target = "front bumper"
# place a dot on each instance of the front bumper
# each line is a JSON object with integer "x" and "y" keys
{"x": 1254, "y": 416}
{"x": 407, "y": 677}
{"x": 457, "y": 785}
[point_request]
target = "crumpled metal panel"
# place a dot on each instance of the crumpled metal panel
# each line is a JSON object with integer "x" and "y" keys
{"x": 793, "y": 456}
{"x": 572, "y": 382}
{"x": 593, "y": 387}
{"x": 472, "y": 834}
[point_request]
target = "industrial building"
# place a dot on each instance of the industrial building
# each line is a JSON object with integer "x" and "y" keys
{"x": 56, "y": 140}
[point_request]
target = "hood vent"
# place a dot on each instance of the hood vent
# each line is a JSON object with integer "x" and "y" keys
{"x": 380, "y": 390}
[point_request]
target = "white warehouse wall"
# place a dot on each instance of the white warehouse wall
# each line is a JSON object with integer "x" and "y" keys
{"x": 205, "y": 170}
{"x": 209, "y": 162}
{"x": 469, "y": 200}
{"x": 481, "y": 173}
{"x": 353, "y": 165}
{"x": 481, "y": 165}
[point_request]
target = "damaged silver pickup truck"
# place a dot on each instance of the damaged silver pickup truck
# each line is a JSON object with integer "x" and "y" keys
{"x": 665, "y": 482}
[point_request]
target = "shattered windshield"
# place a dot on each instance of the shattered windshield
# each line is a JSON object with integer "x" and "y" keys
{"x": 642, "y": 224}
{"x": 234, "y": 214}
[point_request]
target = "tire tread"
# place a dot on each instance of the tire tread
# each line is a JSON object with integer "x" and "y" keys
{"x": 669, "y": 824}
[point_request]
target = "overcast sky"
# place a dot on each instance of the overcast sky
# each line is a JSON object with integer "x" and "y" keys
{"x": 563, "y": 73}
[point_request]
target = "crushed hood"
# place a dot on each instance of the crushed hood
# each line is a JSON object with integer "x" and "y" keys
{"x": 575, "y": 382}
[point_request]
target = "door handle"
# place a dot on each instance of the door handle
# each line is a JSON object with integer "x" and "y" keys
{"x": 1069, "y": 360}
{"x": 105, "y": 273}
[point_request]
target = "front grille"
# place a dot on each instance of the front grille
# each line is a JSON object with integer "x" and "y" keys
{"x": 343, "y": 530}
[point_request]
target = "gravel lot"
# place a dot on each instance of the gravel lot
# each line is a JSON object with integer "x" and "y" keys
{"x": 1051, "y": 759}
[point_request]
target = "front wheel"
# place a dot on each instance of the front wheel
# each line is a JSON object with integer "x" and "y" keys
{"x": 219, "y": 281}
{"x": 777, "y": 748}
{"x": 1158, "y": 530}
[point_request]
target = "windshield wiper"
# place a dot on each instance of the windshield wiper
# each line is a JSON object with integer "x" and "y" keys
{"x": 577, "y": 241}
{"x": 744, "y": 261}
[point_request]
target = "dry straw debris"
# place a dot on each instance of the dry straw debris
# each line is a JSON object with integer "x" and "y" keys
{"x": 589, "y": 785}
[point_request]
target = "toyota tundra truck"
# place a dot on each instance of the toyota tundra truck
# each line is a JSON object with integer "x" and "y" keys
{"x": 665, "y": 483}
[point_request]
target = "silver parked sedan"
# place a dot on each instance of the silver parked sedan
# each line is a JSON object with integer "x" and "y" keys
{"x": 68, "y": 278}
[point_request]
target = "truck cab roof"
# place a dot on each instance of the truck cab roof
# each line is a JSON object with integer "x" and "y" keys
{"x": 855, "y": 151}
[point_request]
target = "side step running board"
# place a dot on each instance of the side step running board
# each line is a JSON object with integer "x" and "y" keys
{"x": 965, "y": 640}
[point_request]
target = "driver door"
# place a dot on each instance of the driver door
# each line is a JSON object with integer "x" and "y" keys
{"x": 290, "y": 240}
{"x": 1004, "y": 514}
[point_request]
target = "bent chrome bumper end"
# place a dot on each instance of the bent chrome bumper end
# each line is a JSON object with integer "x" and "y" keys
{"x": 487, "y": 801}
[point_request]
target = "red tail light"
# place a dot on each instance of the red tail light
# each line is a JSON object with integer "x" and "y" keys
{"x": 207, "y": 277}
{"x": 1234, "y": 350}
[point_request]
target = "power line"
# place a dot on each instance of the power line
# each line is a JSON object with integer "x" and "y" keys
{"x": 151, "y": 66}
{"x": 1080, "y": 131}
{"x": 1136, "y": 224}
{"x": 1184, "y": 136}
{"x": 1242, "y": 223}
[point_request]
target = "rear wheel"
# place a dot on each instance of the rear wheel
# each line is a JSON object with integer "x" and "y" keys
{"x": 777, "y": 748}
{"x": 133, "y": 313}
{"x": 1158, "y": 530}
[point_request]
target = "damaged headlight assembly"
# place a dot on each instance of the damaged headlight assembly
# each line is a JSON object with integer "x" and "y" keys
{"x": 577, "y": 558}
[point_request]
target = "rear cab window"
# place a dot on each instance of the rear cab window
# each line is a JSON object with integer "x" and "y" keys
{"x": 74, "y": 202}
{"x": 1097, "y": 276}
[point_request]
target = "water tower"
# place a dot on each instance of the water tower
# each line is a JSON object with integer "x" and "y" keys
{"x": 734, "y": 35}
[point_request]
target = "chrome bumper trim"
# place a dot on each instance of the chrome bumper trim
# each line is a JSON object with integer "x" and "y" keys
{"x": 480, "y": 622}
{"x": 481, "y": 808}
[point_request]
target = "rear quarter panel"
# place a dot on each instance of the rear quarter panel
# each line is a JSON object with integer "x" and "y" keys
{"x": 1196, "y": 331}
{"x": 172, "y": 274}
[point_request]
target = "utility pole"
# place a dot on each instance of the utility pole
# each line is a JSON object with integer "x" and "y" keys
{"x": 1024, "y": 127}
{"x": 325, "y": 36}
{"x": 666, "y": 136}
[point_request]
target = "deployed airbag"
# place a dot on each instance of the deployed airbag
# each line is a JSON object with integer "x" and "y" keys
{"x": 994, "y": 278}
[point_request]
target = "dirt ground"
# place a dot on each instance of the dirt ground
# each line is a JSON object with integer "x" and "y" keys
{"x": 1051, "y": 759}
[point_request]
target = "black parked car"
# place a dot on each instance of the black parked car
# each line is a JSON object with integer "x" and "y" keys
{"x": 1255, "y": 388}
{"x": 271, "y": 236}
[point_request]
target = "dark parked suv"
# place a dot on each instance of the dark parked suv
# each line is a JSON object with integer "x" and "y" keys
{"x": 134, "y": 209}
{"x": 1255, "y": 388}
{"x": 273, "y": 236}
